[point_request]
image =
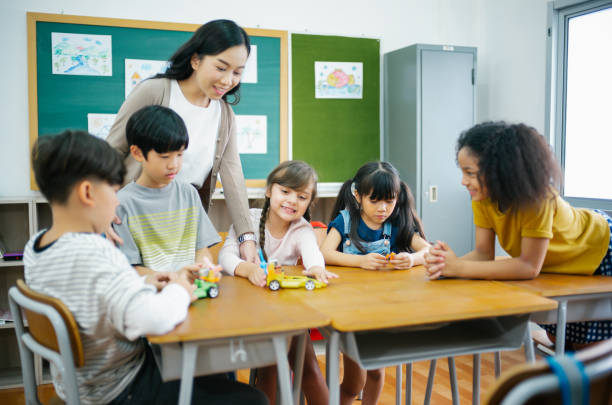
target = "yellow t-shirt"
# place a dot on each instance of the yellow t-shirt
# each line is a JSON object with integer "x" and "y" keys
{"x": 579, "y": 237}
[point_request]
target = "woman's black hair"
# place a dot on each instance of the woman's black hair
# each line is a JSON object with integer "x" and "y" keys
{"x": 380, "y": 181}
{"x": 293, "y": 174}
{"x": 156, "y": 127}
{"x": 60, "y": 161}
{"x": 211, "y": 38}
{"x": 516, "y": 164}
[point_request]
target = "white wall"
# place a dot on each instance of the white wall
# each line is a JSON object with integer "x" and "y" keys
{"x": 509, "y": 36}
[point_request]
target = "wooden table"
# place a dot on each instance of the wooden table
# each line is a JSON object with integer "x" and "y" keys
{"x": 384, "y": 318}
{"x": 245, "y": 327}
{"x": 590, "y": 298}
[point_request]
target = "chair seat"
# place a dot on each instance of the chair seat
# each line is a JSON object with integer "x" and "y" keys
{"x": 55, "y": 400}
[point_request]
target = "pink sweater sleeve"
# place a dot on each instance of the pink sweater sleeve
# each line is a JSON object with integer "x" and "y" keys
{"x": 307, "y": 247}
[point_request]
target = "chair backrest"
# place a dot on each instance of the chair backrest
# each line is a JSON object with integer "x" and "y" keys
{"x": 41, "y": 328}
{"x": 51, "y": 333}
{"x": 214, "y": 251}
{"x": 539, "y": 385}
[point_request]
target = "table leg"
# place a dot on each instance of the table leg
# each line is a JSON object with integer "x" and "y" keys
{"x": 561, "y": 322}
{"x": 476, "y": 379}
{"x": 453, "y": 380}
{"x": 333, "y": 360}
{"x": 298, "y": 368}
{"x": 398, "y": 384}
{"x": 282, "y": 365}
{"x": 408, "y": 383}
{"x": 430, "y": 380}
{"x": 497, "y": 358}
{"x": 190, "y": 353}
{"x": 529, "y": 350}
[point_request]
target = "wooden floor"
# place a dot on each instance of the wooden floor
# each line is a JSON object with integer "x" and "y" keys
{"x": 441, "y": 394}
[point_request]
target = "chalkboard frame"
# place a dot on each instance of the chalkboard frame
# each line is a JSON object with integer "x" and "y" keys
{"x": 34, "y": 18}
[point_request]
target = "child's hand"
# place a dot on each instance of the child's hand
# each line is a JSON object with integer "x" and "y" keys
{"x": 159, "y": 280}
{"x": 403, "y": 260}
{"x": 257, "y": 276}
{"x": 191, "y": 272}
{"x": 216, "y": 268}
{"x": 320, "y": 273}
{"x": 111, "y": 234}
{"x": 439, "y": 260}
{"x": 183, "y": 279}
{"x": 373, "y": 261}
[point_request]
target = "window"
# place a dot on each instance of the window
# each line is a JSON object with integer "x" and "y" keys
{"x": 580, "y": 89}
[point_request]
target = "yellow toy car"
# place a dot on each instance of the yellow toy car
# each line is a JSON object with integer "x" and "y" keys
{"x": 276, "y": 279}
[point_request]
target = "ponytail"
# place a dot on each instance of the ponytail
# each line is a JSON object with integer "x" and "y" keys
{"x": 262, "y": 227}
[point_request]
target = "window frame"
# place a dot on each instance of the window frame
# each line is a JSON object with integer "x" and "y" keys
{"x": 558, "y": 16}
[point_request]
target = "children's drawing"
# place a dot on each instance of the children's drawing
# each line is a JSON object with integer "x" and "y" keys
{"x": 81, "y": 54}
{"x": 136, "y": 70}
{"x": 338, "y": 80}
{"x": 100, "y": 124}
{"x": 252, "y": 132}
{"x": 249, "y": 74}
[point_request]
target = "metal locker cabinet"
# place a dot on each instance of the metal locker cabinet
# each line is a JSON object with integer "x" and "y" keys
{"x": 429, "y": 99}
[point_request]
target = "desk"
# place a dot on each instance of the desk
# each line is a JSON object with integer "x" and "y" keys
{"x": 590, "y": 297}
{"x": 385, "y": 318}
{"x": 244, "y": 327}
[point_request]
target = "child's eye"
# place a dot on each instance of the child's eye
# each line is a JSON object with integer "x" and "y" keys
{"x": 221, "y": 69}
{"x": 302, "y": 197}
{"x": 237, "y": 73}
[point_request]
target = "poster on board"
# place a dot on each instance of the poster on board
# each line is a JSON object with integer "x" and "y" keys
{"x": 338, "y": 80}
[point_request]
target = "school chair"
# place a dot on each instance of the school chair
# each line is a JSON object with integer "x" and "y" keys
{"x": 559, "y": 379}
{"x": 51, "y": 333}
{"x": 214, "y": 250}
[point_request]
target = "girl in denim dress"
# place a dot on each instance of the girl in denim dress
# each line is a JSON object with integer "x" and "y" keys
{"x": 374, "y": 226}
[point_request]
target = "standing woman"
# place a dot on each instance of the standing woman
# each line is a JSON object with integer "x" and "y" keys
{"x": 200, "y": 84}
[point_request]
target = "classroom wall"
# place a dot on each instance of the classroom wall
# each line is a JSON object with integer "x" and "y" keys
{"x": 509, "y": 36}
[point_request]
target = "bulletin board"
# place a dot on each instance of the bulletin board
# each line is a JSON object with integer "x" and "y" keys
{"x": 61, "y": 101}
{"x": 335, "y": 135}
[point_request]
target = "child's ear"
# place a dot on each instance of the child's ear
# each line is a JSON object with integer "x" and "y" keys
{"x": 357, "y": 196}
{"x": 84, "y": 193}
{"x": 195, "y": 61}
{"x": 268, "y": 191}
{"x": 136, "y": 153}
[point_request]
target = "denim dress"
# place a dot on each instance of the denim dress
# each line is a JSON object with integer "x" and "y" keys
{"x": 381, "y": 246}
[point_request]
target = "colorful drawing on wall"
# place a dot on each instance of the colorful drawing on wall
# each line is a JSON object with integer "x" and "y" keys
{"x": 100, "y": 124}
{"x": 252, "y": 132}
{"x": 249, "y": 74}
{"x": 81, "y": 54}
{"x": 136, "y": 70}
{"x": 338, "y": 80}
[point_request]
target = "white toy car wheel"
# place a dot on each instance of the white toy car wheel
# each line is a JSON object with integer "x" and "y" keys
{"x": 310, "y": 285}
{"x": 213, "y": 292}
{"x": 274, "y": 285}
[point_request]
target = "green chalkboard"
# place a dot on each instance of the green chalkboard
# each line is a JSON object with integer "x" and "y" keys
{"x": 60, "y": 101}
{"x": 336, "y": 136}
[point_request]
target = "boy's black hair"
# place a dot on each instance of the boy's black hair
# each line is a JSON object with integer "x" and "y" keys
{"x": 60, "y": 161}
{"x": 158, "y": 128}
{"x": 515, "y": 163}
{"x": 380, "y": 181}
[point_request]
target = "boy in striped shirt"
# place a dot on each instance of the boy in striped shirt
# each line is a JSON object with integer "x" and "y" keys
{"x": 113, "y": 306}
{"x": 163, "y": 224}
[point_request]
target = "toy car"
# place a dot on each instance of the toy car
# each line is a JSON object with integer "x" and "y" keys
{"x": 276, "y": 278}
{"x": 206, "y": 284}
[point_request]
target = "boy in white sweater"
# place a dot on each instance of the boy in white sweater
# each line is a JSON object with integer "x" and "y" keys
{"x": 113, "y": 306}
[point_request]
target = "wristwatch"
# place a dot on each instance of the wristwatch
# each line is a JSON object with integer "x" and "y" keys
{"x": 246, "y": 236}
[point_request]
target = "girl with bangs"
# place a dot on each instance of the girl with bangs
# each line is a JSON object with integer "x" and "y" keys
{"x": 373, "y": 216}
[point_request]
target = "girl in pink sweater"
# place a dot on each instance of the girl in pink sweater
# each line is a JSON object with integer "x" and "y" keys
{"x": 285, "y": 234}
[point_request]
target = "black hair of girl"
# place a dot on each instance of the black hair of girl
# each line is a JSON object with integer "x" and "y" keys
{"x": 515, "y": 163}
{"x": 293, "y": 174}
{"x": 211, "y": 38}
{"x": 380, "y": 181}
